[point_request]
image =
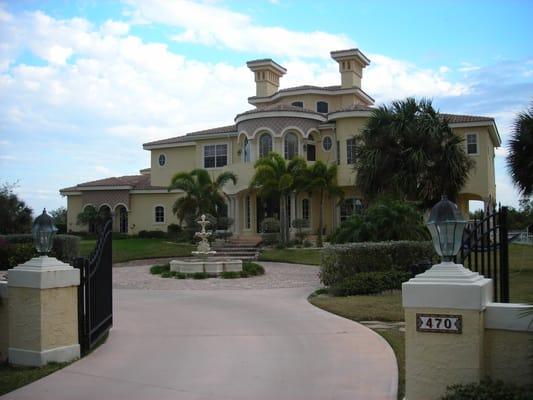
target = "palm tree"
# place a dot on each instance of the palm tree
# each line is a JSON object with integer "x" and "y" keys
{"x": 409, "y": 150}
{"x": 275, "y": 178}
{"x": 520, "y": 158}
{"x": 322, "y": 178}
{"x": 202, "y": 194}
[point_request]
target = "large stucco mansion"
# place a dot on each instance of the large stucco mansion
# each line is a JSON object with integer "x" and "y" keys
{"x": 317, "y": 123}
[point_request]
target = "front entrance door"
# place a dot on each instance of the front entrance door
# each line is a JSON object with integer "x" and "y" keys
{"x": 266, "y": 208}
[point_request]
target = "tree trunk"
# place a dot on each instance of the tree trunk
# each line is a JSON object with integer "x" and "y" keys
{"x": 320, "y": 220}
{"x": 283, "y": 218}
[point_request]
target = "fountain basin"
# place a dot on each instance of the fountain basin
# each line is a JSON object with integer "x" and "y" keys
{"x": 215, "y": 266}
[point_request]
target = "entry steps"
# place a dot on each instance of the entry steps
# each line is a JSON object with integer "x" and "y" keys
{"x": 243, "y": 249}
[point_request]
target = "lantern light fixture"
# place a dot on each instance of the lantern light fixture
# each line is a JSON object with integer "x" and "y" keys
{"x": 43, "y": 232}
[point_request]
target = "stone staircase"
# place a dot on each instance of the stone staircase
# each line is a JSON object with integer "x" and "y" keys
{"x": 245, "y": 248}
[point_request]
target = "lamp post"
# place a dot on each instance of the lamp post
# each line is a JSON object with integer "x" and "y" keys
{"x": 446, "y": 225}
{"x": 43, "y": 231}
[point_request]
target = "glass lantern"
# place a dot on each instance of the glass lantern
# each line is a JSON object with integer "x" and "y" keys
{"x": 446, "y": 225}
{"x": 43, "y": 231}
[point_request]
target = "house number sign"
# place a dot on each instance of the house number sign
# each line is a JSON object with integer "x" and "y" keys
{"x": 439, "y": 323}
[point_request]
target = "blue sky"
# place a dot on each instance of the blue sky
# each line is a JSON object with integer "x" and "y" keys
{"x": 83, "y": 84}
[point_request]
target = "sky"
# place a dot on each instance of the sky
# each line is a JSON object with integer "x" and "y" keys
{"x": 84, "y": 83}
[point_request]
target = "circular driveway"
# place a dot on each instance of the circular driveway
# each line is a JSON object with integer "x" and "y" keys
{"x": 238, "y": 343}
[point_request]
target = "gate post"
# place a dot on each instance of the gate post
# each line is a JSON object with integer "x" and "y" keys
{"x": 43, "y": 312}
{"x": 444, "y": 329}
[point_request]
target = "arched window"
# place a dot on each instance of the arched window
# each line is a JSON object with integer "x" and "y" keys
{"x": 322, "y": 107}
{"x": 291, "y": 145}
{"x": 246, "y": 157}
{"x": 160, "y": 214}
{"x": 265, "y": 144}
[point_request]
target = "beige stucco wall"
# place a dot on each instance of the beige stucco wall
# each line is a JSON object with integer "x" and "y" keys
{"x": 178, "y": 159}
{"x": 429, "y": 360}
{"x": 74, "y": 206}
{"x": 4, "y": 321}
{"x": 142, "y": 212}
{"x": 508, "y": 355}
{"x": 49, "y": 319}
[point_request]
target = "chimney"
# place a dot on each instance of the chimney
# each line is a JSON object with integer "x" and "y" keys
{"x": 267, "y": 74}
{"x": 351, "y": 64}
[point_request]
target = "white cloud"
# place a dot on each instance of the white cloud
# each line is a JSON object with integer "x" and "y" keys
{"x": 115, "y": 28}
{"x": 217, "y": 26}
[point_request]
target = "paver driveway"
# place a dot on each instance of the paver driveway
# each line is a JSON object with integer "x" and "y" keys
{"x": 234, "y": 344}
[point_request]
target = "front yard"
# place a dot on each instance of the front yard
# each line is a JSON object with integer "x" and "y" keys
{"x": 138, "y": 249}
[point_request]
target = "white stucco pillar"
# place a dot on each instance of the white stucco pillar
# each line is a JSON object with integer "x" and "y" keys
{"x": 444, "y": 329}
{"x": 43, "y": 312}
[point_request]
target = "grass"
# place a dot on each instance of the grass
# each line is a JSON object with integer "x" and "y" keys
{"x": 138, "y": 249}
{"x": 521, "y": 273}
{"x": 296, "y": 256}
{"x": 12, "y": 378}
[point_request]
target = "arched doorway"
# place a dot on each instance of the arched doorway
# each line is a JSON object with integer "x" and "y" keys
{"x": 120, "y": 222}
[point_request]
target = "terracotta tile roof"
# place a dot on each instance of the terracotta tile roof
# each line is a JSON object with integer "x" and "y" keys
{"x": 457, "y": 118}
{"x": 278, "y": 107}
{"x": 307, "y": 87}
{"x": 187, "y": 137}
{"x": 135, "y": 181}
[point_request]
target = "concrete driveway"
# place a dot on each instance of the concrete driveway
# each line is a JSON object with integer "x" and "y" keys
{"x": 226, "y": 344}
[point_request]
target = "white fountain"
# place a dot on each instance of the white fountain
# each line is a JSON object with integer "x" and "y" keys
{"x": 203, "y": 251}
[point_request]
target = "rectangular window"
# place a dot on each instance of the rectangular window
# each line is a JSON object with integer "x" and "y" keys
{"x": 471, "y": 143}
{"x": 350, "y": 207}
{"x": 311, "y": 152}
{"x": 305, "y": 209}
{"x": 338, "y": 152}
{"x": 215, "y": 155}
{"x": 247, "y": 217}
{"x": 350, "y": 151}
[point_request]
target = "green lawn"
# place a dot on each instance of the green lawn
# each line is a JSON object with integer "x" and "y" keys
{"x": 296, "y": 256}
{"x": 138, "y": 249}
{"x": 12, "y": 378}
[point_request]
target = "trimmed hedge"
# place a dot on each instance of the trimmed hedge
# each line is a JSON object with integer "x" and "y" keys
{"x": 370, "y": 283}
{"x": 17, "y": 249}
{"x": 152, "y": 235}
{"x": 339, "y": 262}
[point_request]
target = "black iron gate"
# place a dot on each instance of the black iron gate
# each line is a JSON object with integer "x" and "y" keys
{"x": 95, "y": 293}
{"x": 485, "y": 249}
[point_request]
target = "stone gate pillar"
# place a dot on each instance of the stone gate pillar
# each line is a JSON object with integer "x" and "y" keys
{"x": 43, "y": 312}
{"x": 444, "y": 329}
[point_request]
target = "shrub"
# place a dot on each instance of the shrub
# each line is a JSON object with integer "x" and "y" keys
{"x": 307, "y": 243}
{"x": 224, "y": 223}
{"x": 158, "y": 269}
{"x": 370, "y": 283}
{"x": 152, "y": 235}
{"x": 17, "y": 249}
{"x": 270, "y": 225}
{"x": 173, "y": 230}
{"x": 252, "y": 269}
{"x": 230, "y": 275}
{"x": 386, "y": 219}
{"x": 300, "y": 224}
{"x": 120, "y": 236}
{"x": 487, "y": 389}
{"x": 342, "y": 261}
{"x": 199, "y": 275}
{"x": 167, "y": 274}
{"x": 180, "y": 275}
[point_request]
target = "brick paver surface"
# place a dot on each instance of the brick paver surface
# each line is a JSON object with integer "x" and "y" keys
{"x": 277, "y": 275}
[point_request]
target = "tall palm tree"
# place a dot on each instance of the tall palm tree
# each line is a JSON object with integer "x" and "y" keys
{"x": 202, "y": 194}
{"x": 322, "y": 179}
{"x": 520, "y": 158}
{"x": 275, "y": 178}
{"x": 409, "y": 150}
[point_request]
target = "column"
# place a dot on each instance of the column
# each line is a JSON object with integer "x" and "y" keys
{"x": 444, "y": 329}
{"x": 43, "y": 312}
